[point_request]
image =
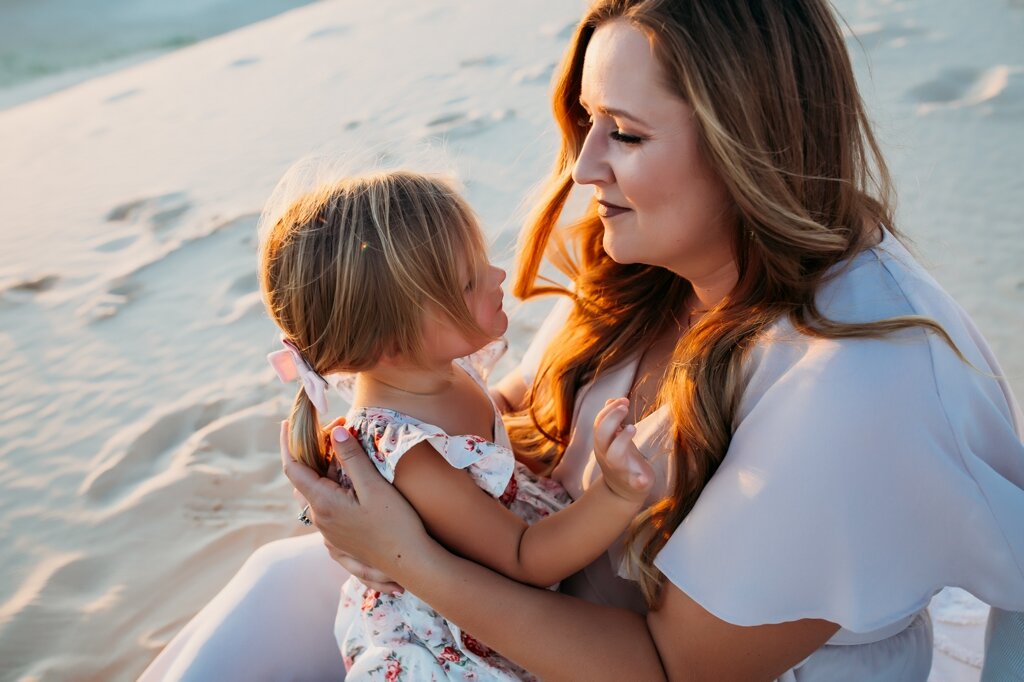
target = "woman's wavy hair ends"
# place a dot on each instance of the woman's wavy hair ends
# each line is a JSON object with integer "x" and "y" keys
{"x": 783, "y": 125}
{"x": 349, "y": 268}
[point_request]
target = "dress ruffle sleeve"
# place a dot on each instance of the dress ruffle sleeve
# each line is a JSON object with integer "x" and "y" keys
{"x": 483, "y": 361}
{"x": 387, "y": 435}
{"x": 864, "y": 475}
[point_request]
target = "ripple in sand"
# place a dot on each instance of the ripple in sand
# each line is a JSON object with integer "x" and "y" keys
{"x": 132, "y": 455}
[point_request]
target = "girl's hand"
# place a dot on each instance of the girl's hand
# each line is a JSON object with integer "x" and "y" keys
{"x": 369, "y": 522}
{"x": 626, "y": 471}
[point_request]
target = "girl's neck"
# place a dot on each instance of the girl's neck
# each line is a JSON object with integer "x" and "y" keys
{"x": 404, "y": 381}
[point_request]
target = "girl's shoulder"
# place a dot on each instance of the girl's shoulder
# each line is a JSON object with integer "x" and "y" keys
{"x": 387, "y": 435}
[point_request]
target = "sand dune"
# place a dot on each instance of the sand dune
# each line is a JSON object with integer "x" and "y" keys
{"x": 138, "y": 462}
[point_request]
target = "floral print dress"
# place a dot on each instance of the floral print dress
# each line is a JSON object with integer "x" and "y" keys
{"x": 400, "y": 637}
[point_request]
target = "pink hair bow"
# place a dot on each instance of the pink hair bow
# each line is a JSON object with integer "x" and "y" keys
{"x": 290, "y": 365}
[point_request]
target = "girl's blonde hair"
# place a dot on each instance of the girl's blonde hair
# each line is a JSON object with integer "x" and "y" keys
{"x": 349, "y": 268}
{"x": 783, "y": 126}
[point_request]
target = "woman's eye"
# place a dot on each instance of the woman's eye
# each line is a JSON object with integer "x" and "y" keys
{"x": 585, "y": 121}
{"x": 469, "y": 287}
{"x": 625, "y": 139}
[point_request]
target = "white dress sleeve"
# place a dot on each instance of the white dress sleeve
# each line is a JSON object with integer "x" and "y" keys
{"x": 863, "y": 475}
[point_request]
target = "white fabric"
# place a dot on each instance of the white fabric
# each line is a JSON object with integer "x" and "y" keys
{"x": 863, "y": 475}
{"x": 273, "y": 622}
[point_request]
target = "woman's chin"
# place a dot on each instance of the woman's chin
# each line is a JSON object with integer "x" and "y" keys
{"x": 616, "y": 250}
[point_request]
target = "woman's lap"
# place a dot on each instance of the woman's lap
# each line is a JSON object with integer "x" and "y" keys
{"x": 273, "y": 621}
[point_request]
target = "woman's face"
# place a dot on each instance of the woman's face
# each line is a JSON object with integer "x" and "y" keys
{"x": 661, "y": 204}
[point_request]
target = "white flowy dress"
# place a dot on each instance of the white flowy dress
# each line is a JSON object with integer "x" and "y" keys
{"x": 864, "y": 476}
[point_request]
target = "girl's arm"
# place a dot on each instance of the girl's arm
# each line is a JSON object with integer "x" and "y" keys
{"x": 474, "y": 525}
{"x": 554, "y": 636}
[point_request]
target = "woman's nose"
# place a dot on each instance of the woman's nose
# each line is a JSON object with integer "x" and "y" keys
{"x": 591, "y": 167}
{"x": 500, "y": 274}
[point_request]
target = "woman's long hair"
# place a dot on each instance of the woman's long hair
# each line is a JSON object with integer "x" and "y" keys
{"x": 782, "y": 124}
{"x": 349, "y": 268}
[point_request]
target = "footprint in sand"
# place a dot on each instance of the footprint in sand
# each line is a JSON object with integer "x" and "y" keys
{"x": 458, "y": 125}
{"x": 560, "y": 32}
{"x": 116, "y": 244}
{"x": 329, "y": 32}
{"x": 22, "y": 290}
{"x": 539, "y": 74}
{"x": 121, "y": 96}
{"x": 997, "y": 90}
{"x": 105, "y": 304}
{"x": 35, "y": 285}
{"x": 485, "y": 60}
{"x": 244, "y": 61}
{"x": 161, "y": 211}
{"x": 241, "y": 298}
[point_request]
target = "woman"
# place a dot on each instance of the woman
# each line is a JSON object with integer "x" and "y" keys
{"x": 833, "y": 442}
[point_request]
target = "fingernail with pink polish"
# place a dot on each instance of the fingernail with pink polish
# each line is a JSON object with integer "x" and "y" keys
{"x": 340, "y": 434}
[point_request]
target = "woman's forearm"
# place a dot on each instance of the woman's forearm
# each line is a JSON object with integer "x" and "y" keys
{"x": 554, "y": 636}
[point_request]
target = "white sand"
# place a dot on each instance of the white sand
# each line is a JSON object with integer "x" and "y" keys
{"x": 138, "y": 463}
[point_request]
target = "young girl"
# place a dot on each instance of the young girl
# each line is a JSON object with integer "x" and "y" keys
{"x": 384, "y": 280}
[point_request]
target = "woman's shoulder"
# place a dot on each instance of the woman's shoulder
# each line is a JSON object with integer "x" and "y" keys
{"x": 880, "y": 283}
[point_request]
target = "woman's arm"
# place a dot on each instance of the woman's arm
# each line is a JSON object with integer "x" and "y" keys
{"x": 550, "y": 634}
{"x": 509, "y": 394}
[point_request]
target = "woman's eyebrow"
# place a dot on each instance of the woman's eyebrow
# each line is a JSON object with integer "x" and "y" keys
{"x": 616, "y": 113}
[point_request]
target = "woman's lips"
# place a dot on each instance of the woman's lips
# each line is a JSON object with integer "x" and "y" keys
{"x": 608, "y": 210}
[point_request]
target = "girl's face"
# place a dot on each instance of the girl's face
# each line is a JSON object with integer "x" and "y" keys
{"x": 484, "y": 296}
{"x": 660, "y": 202}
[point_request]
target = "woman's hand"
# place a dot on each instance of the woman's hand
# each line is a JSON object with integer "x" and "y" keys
{"x": 352, "y": 519}
{"x": 626, "y": 471}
